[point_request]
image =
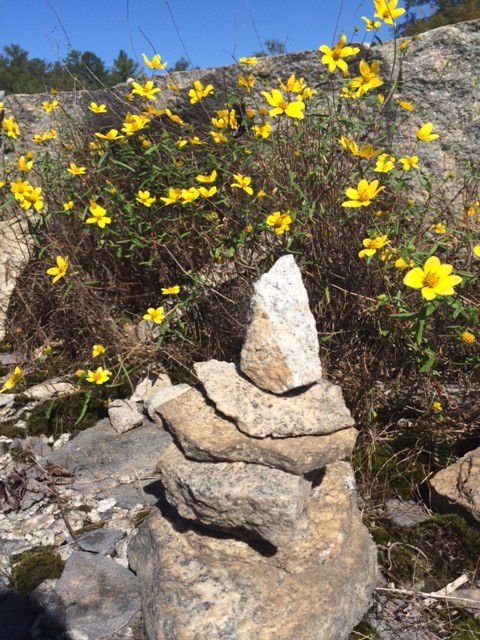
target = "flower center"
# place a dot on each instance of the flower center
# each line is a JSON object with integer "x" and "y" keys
{"x": 363, "y": 195}
{"x": 283, "y": 105}
{"x": 431, "y": 280}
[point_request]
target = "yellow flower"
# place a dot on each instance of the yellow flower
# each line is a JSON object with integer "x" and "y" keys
{"x": 280, "y": 222}
{"x": 333, "y": 58}
{"x": 367, "y": 151}
{"x": 385, "y": 163}
{"x": 24, "y": 165}
{"x": 80, "y": 373}
{"x": 371, "y": 25}
{"x": 173, "y": 117}
{"x": 409, "y": 162}
{"x": 372, "y": 245}
{"x": 110, "y": 135}
{"x": 386, "y": 10}
{"x": 363, "y": 195}
{"x": 199, "y": 91}
{"x": 207, "y": 193}
{"x": 76, "y": 171}
{"x": 98, "y": 350}
{"x": 189, "y": 195}
{"x": 261, "y": 194}
{"x": 476, "y": 250}
{"x": 434, "y": 279}
{"x": 155, "y": 62}
{"x": 467, "y": 337}
{"x": 251, "y": 62}
{"x": 99, "y": 216}
{"x": 19, "y": 188}
{"x": 171, "y": 291}
{"x": 293, "y": 85}
{"x": 97, "y": 108}
{"x": 143, "y": 197}
{"x": 195, "y": 140}
{"x": 173, "y": 87}
{"x": 368, "y": 78}
{"x": 147, "y": 92}
{"x": 67, "y": 205}
{"x": 134, "y": 123}
{"x": 10, "y": 127}
{"x": 155, "y": 315}
{"x": 12, "y": 380}
{"x": 32, "y": 198}
{"x": 207, "y": 179}
{"x": 439, "y": 228}
{"x": 280, "y": 106}
{"x": 400, "y": 263}
{"x": 262, "y": 130}
{"x": 146, "y": 144}
{"x": 436, "y": 406}
{"x": 48, "y": 107}
{"x": 60, "y": 270}
{"x": 425, "y": 133}
{"x": 248, "y": 82}
{"x": 242, "y": 182}
{"x": 406, "y": 106}
{"x": 218, "y": 137}
{"x": 99, "y": 376}
{"x": 174, "y": 195}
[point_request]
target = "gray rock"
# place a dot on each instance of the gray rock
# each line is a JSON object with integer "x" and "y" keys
{"x": 280, "y": 352}
{"x": 7, "y": 359}
{"x": 154, "y": 402}
{"x": 204, "y": 434}
{"x": 14, "y": 255}
{"x": 318, "y": 410}
{"x": 147, "y": 387}
{"x": 127, "y": 496}
{"x": 250, "y": 499}
{"x": 49, "y": 389}
{"x": 101, "y": 459}
{"x": 198, "y": 587}
{"x": 406, "y": 513}
{"x": 457, "y": 488}
{"x": 101, "y": 541}
{"x": 124, "y": 415}
{"x": 97, "y": 595}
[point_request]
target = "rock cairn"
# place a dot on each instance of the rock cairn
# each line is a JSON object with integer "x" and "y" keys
{"x": 269, "y": 542}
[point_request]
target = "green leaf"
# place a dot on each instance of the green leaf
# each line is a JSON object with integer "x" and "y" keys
{"x": 84, "y": 410}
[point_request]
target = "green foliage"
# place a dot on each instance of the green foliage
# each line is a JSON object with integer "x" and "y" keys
{"x": 21, "y": 74}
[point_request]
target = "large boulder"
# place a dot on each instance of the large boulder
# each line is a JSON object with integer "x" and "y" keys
{"x": 201, "y": 587}
{"x": 14, "y": 254}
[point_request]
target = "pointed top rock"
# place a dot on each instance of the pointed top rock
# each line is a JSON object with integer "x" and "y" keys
{"x": 281, "y": 348}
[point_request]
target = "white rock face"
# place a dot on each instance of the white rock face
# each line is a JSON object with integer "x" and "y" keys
{"x": 280, "y": 352}
{"x": 124, "y": 415}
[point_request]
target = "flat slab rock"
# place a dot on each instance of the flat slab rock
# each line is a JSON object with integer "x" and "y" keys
{"x": 200, "y": 587}
{"x": 280, "y": 352}
{"x": 100, "y": 458}
{"x": 457, "y": 488}
{"x": 320, "y": 409}
{"x": 248, "y": 499}
{"x": 93, "y": 599}
{"x": 204, "y": 434}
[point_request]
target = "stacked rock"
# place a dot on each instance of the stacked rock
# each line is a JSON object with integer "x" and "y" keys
{"x": 255, "y": 455}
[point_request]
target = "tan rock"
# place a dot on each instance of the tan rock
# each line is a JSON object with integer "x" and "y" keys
{"x": 200, "y": 587}
{"x": 280, "y": 352}
{"x": 318, "y": 410}
{"x": 457, "y": 488}
{"x": 204, "y": 434}
{"x": 248, "y": 499}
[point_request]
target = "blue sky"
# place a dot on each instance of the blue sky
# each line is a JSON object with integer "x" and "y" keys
{"x": 212, "y": 30}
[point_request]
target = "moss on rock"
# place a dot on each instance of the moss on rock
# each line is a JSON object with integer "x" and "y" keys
{"x": 35, "y": 566}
